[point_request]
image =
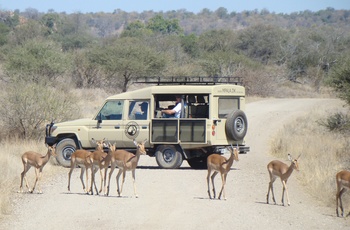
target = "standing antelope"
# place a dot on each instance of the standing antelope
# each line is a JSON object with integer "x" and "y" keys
{"x": 38, "y": 161}
{"x": 99, "y": 162}
{"x": 222, "y": 165}
{"x": 84, "y": 160}
{"x": 126, "y": 161}
{"x": 279, "y": 169}
{"x": 343, "y": 184}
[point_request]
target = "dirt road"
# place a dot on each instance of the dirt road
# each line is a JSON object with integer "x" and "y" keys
{"x": 177, "y": 199}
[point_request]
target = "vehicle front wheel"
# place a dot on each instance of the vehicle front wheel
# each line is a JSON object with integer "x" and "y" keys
{"x": 64, "y": 150}
{"x": 168, "y": 157}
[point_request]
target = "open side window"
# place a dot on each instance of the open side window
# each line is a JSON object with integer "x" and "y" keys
{"x": 138, "y": 110}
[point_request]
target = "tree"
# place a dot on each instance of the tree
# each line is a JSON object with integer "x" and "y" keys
{"x": 136, "y": 29}
{"x": 340, "y": 79}
{"x": 262, "y": 42}
{"x": 86, "y": 74}
{"x": 28, "y": 31}
{"x": 4, "y": 31}
{"x": 190, "y": 45}
{"x": 37, "y": 60}
{"x": 217, "y": 40}
{"x": 125, "y": 59}
{"x": 160, "y": 25}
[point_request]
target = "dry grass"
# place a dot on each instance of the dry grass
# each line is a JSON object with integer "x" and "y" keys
{"x": 323, "y": 153}
{"x": 11, "y": 151}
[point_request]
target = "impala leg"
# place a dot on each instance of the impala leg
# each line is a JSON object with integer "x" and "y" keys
{"x": 285, "y": 189}
{"x": 123, "y": 180}
{"x": 341, "y": 201}
{"x": 102, "y": 180}
{"x": 109, "y": 177}
{"x": 208, "y": 182}
{"x": 82, "y": 171}
{"x": 26, "y": 167}
{"x": 268, "y": 193}
{"x": 93, "y": 182}
{"x": 72, "y": 166}
{"x": 133, "y": 180}
{"x": 39, "y": 179}
{"x": 212, "y": 181}
{"x": 69, "y": 176}
{"x": 117, "y": 179}
{"x": 338, "y": 198}
{"x": 272, "y": 180}
{"x": 105, "y": 182}
{"x": 223, "y": 179}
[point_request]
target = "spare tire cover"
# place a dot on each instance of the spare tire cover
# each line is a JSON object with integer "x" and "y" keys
{"x": 236, "y": 125}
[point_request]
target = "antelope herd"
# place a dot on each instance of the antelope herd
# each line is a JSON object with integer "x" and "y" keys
{"x": 127, "y": 161}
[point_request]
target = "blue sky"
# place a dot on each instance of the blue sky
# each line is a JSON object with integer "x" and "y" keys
{"x": 84, "y": 6}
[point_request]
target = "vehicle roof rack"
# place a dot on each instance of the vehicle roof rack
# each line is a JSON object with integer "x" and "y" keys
{"x": 193, "y": 80}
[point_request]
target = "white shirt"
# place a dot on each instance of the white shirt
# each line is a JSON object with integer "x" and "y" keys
{"x": 177, "y": 110}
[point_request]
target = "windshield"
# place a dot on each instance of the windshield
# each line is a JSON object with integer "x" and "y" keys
{"x": 112, "y": 110}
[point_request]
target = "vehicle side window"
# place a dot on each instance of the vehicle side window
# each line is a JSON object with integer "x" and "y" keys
{"x": 226, "y": 105}
{"x": 138, "y": 110}
{"x": 112, "y": 110}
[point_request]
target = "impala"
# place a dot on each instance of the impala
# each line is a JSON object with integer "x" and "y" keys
{"x": 126, "y": 161}
{"x": 99, "y": 162}
{"x": 84, "y": 160}
{"x": 38, "y": 161}
{"x": 222, "y": 165}
{"x": 343, "y": 184}
{"x": 279, "y": 169}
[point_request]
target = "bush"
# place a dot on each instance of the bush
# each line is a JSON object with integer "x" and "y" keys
{"x": 337, "y": 122}
{"x": 27, "y": 107}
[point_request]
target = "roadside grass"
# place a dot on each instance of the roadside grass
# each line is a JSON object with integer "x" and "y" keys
{"x": 11, "y": 167}
{"x": 11, "y": 151}
{"x": 324, "y": 153}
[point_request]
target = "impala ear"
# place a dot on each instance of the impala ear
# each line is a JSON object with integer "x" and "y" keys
{"x": 290, "y": 157}
{"x": 135, "y": 142}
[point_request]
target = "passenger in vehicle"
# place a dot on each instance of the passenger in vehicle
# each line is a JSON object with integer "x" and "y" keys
{"x": 174, "y": 112}
{"x": 142, "y": 115}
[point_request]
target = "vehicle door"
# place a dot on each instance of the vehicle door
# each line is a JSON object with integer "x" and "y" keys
{"x": 109, "y": 123}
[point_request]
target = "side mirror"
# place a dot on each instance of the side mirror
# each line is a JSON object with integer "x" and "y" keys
{"x": 99, "y": 118}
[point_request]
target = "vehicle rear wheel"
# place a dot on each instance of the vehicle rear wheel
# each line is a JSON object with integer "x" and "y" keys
{"x": 236, "y": 125}
{"x": 168, "y": 157}
{"x": 198, "y": 162}
{"x": 64, "y": 150}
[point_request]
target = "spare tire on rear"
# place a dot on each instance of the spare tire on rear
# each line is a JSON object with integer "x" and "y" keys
{"x": 236, "y": 125}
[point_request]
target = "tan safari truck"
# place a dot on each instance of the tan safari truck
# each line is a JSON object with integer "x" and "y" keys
{"x": 212, "y": 119}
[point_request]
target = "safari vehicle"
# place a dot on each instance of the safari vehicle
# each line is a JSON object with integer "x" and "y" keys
{"x": 212, "y": 119}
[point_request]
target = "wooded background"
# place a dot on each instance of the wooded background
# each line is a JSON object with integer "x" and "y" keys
{"x": 44, "y": 56}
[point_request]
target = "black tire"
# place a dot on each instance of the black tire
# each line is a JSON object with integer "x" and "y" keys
{"x": 64, "y": 150}
{"x": 236, "y": 125}
{"x": 198, "y": 162}
{"x": 168, "y": 157}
